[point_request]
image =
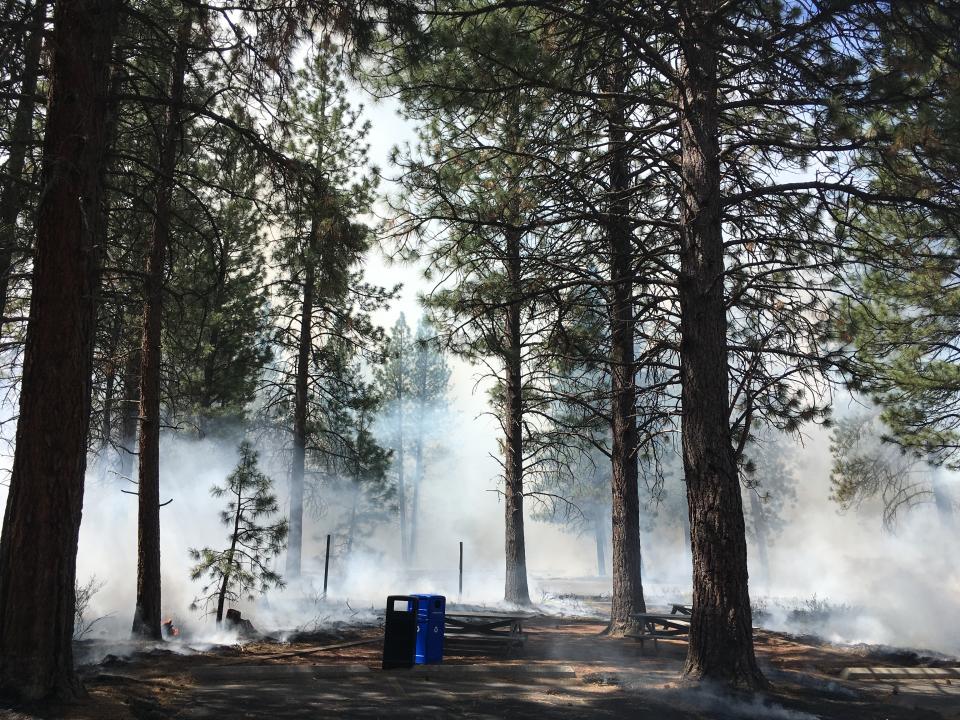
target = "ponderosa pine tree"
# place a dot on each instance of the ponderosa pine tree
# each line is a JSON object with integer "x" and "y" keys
{"x": 904, "y": 316}
{"x": 430, "y": 377}
{"x": 394, "y": 384}
{"x": 868, "y": 468}
{"x": 36, "y": 600}
{"x": 411, "y": 382}
{"x": 216, "y": 327}
{"x": 355, "y": 464}
{"x": 42, "y": 519}
{"x": 256, "y": 538}
{"x": 768, "y": 482}
{"x": 146, "y": 616}
{"x": 467, "y": 181}
{"x": 17, "y": 148}
{"x": 741, "y": 277}
{"x": 320, "y": 295}
{"x": 586, "y": 191}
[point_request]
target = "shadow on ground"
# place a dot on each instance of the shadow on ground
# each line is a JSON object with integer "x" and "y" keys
{"x": 568, "y": 670}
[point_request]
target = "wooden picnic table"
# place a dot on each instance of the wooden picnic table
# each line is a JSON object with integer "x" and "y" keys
{"x": 663, "y": 626}
{"x": 489, "y": 623}
{"x": 484, "y": 628}
{"x": 678, "y": 622}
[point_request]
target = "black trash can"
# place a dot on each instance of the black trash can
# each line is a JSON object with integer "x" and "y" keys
{"x": 400, "y": 631}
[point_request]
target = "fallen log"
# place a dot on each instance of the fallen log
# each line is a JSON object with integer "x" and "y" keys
{"x": 310, "y": 650}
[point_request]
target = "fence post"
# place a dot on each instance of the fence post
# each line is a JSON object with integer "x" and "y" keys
{"x": 326, "y": 568}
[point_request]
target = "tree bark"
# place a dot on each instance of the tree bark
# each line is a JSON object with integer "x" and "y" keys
{"x": 146, "y": 617}
{"x": 627, "y": 596}
{"x": 515, "y": 547}
{"x": 210, "y": 361}
{"x": 222, "y": 596}
{"x": 110, "y": 381}
{"x": 12, "y": 191}
{"x": 721, "y": 639}
{"x": 295, "y": 543}
{"x": 38, "y": 545}
{"x": 118, "y": 319}
{"x": 131, "y": 412}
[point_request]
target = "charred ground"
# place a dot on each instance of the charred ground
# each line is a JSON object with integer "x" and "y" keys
{"x": 567, "y": 669}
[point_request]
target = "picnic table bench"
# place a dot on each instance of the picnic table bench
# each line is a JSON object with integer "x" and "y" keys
{"x": 481, "y": 630}
{"x": 663, "y": 626}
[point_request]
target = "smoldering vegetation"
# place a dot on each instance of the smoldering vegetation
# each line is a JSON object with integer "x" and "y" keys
{"x": 840, "y": 576}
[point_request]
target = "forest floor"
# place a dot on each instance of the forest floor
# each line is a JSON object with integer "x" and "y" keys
{"x": 567, "y": 670}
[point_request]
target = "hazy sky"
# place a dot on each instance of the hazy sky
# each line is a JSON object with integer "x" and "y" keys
{"x": 389, "y": 129}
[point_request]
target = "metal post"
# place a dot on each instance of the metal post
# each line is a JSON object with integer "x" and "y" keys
{"x": 461, "y": 571}
{"x": 326, "y": 569}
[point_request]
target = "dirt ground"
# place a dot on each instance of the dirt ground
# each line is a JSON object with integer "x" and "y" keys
{"x": 567, "y": 670}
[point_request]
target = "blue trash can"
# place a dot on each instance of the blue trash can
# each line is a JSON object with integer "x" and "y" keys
{"x": 430, "y": 610}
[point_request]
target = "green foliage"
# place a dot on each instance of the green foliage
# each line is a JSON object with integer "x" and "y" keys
{"x": 903, "y": 321}
{"x": 412, "y": 382}
{"x": 356, "y": 467}
{"x": 216, "y": 331}
{"x": 867, "y": 469}
{"x": 243, "y": 568}
{"x": 574, "y": 492}
{"x": 319, "y": 253}
{"x": 394, "y": 376}
{"x": 769, "y": 471}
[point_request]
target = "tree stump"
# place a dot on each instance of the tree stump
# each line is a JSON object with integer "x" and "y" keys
{"x": 244, "y": 628}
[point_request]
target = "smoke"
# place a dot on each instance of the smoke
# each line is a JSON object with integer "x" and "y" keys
{"x": 893, "y": 588}
{"x": 837, "y": 575}
{"x": 458, "y": 503}
{"x": 716, "y": 702}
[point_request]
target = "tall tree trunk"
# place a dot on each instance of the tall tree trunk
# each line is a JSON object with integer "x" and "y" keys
{"x": 146, "y": 617}
{"x": 515, "y": 546}
{"x": 209, "y": 373}
{"x": 210, "y": 361}
{"x": 600, "y": 538}
{"x": 118, "y": 319}
{"x": 401, "y": 479}
{"x": 762, "y": 533}
{"x": 417, "y": 480}
{"x": 352, "y": 526}
{"x": 41, "y": 524}
{"x": 295, "y": 544}
{"x": 222, "y": 595}
{"x": 110, "y": 381}
{"x": 131, "y": 412}
{"x": 721, "y": 635}
{"x": 625, "y": 508}
{"x": 12, "y": 190}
